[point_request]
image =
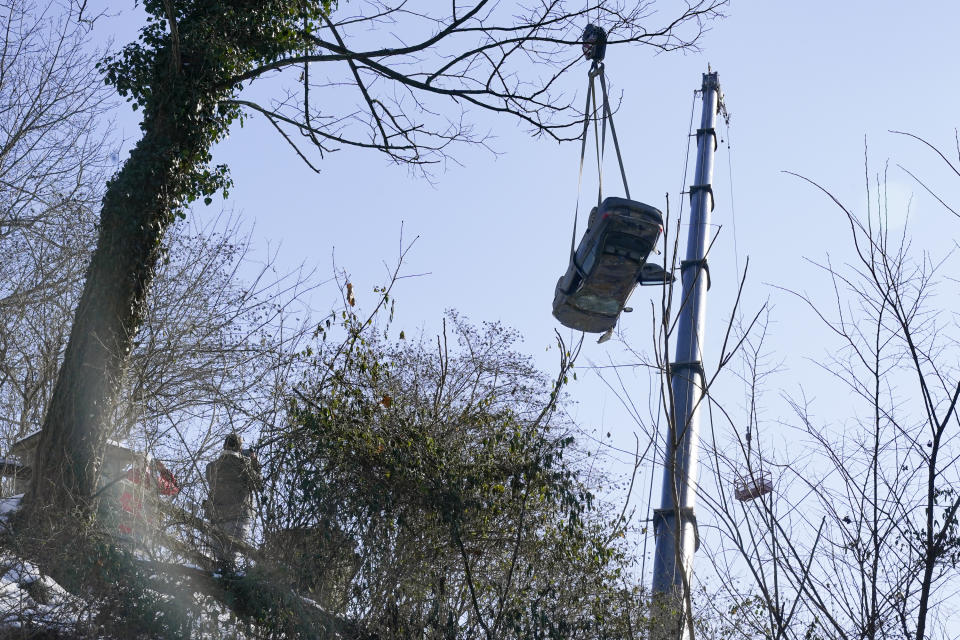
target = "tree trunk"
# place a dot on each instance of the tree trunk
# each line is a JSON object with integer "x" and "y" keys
{"x": 176, "y": 80}
{"x": 136, "y": 210}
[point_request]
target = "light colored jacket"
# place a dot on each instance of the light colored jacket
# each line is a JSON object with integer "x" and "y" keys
{"x": 233, "y": 478}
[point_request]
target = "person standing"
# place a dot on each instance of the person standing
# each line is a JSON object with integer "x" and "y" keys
{"x": 233, "y": 478}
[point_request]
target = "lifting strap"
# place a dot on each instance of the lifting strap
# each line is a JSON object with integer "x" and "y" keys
{"x": 583, "y": 154}
{"x": 596, "y": 69}
{"x": 613, "y": 131}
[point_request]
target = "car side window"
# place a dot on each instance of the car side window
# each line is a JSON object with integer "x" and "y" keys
{"x": 591, "y": 258}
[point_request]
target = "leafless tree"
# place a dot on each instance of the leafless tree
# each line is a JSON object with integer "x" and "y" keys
{"x": 860, "y": 538}
{"x": 218, "y": 349}
{"x": 53, "y": 151}
{"x": 53, "y": 160}
{"x": 413, "y": 90}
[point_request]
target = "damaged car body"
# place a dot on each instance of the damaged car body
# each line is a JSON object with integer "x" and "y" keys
{"x": 609, "y": 262}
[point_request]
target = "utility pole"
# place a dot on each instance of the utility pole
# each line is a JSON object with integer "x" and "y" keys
{"x": 675, "y": 524}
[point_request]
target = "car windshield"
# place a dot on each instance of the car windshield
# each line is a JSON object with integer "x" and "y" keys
{"x": 596, "y": 304}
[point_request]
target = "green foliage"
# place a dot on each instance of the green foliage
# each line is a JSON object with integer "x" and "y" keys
{"x": 181, "y": 73}
{"x": 435, "y": 485}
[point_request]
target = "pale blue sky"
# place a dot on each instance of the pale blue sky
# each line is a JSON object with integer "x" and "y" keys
{"x": 805, "y": 82}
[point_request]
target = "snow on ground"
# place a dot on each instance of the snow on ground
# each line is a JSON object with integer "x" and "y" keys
{"x": 8, "y": 506}
{"x": 29, "y": 599}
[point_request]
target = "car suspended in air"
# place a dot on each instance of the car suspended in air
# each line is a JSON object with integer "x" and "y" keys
{"x": 609, "y": 262}
{"x": 621, "y": 233}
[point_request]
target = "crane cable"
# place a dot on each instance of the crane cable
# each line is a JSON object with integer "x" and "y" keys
{"x": 613, "y": 130}
{"x": 594, "y": 40}
{"x": 733, "y": 208}
{"x": 583, "y": 154}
